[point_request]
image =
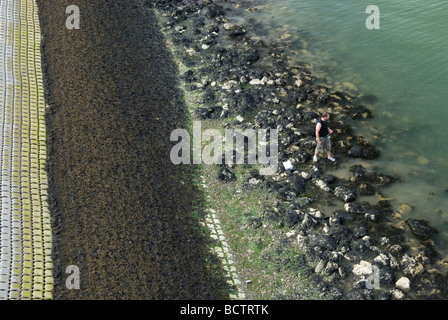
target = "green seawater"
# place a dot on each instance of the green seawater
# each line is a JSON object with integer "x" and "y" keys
{"x": 403, "y": 65}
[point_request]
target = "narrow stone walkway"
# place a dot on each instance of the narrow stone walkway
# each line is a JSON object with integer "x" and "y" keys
{"x": 223, "y": 252}
{"x": 25, "y": 234}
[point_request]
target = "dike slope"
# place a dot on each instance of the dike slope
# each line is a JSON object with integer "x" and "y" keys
{"x": 121, "y": 211}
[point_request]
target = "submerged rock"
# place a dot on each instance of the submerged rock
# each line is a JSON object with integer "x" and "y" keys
{"x": 421, "y": 228}
{"x": 211, "y": 113}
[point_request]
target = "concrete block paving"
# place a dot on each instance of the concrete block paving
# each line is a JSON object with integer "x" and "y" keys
{"x": 25, "y": 230}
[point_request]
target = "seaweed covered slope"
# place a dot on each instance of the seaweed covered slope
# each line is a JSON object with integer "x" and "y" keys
{"x": 121, "y": 212}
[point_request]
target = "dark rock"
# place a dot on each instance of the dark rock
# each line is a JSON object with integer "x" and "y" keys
{"x": 334, "y": 256}
{"x": 301, "y": 97}
{"x": 370, "y": 98}
{"x": 253, "y": 181}
{"x": 189, "y": 76}
{"x": 259, "y": 43}
{"x": 237, "y": 31}
{"x": 309, "y": 221}
{"x": 372, "y": 215}
{"x": 300, "y": 259}
{"x": 395, "y": 248}
{"x": 210, "y": 113}
{"x": 244, "y": 102}
{"x": 356, "y": 152}
{"x": 213, "y": 29}
{"x": 250, "y": 56}
{"x": 368, "y": 294}
{"x": 226, "y": 175}
{"x": 411, "y": 266}
{"x": 442, "y": 283}
{"x": 361, "y": 175}
{"x": 330, "y": 268}
{"x": 254, "y": 222}
{"x": 369, "y": 152}
{"x": 366, "y": 189}
{"x": 343, "y": 216}
{"x": 298, "y": 184}
{"x": 360, "y": 231}
{"x": 386, "y": 276}
{"x": 355, "y": 294}
{"x": 276, "y": 215}
{"x": 209, "y": 96}
{"x": 384, "y": 296}
{"x": 329, "y": 178}
{"x": 315, "y": 172}
{"x": 199, "y": 23}
{"x": 324, "y": 242}
{"x": 360, "y": 284}
{"x": 323, "y": 99}
{"x": 286, "y": 194}
{"x": 362, "y": 209}
{"x": 344, "y": 271}
{"x": 303, "y": 156}
{"x": 213, "y": 11}
{"x": 358, "y": 250}
{"x": 340, "y": 233}
{"x": 294, "y": 217}
{"x": 428, "y": 255}
{"x": 385, "y": 180}
{"x": 274, "y": 185}
{"x": 421, "y": 228}
{"x": 322, "y": 184}
{"x": 307, "y": 131}
{"x": 303, "y": 201}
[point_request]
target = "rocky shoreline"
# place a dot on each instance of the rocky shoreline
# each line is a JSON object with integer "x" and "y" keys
{"x": 252, "y": 84}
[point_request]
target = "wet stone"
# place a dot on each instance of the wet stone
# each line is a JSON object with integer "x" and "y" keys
{"x": 344, "y": 194}
{"x": 421, "y": 228}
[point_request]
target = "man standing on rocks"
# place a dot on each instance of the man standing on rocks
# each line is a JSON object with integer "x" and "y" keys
{"x": 323, "y": 137}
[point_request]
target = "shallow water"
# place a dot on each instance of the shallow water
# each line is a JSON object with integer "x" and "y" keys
{"x": 403, "y": 64}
